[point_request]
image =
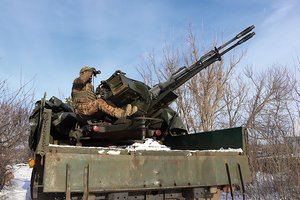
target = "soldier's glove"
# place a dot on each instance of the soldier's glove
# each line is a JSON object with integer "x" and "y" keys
{"x": 95, "y": 72}
{"x": 92, "y": 69}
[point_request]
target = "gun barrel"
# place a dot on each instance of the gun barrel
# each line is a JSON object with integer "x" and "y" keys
{"x": 244, "y": 39}
{"x": 215, "y": 54}
{"x": 184, "y": 74}
{"x": 242, "y": 33}
{"x": 247, "y": 37}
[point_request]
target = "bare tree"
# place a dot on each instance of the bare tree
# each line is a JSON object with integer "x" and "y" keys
{"x": 266, "y": 102}
{"x": 15, "y": 107}
{"x": 269, "y": 114}
{"x": 200, "y": 100}
{"x": 234, "y": 102}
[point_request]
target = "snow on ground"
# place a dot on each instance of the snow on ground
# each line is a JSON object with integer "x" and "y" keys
{"x": 20, "y": 189}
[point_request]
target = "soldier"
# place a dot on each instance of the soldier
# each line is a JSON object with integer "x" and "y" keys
{"x": 84, "y": 98}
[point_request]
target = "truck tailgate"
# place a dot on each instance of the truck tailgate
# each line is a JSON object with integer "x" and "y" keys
{"x": 110, "y": 170}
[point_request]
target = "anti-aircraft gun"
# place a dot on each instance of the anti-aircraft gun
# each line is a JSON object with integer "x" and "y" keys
{"x": 104, "y": 164}
{"x": 155, "y": 115}
{"x": 154, "y": 119}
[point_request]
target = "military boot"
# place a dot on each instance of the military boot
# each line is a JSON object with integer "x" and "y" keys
{"x": 115, "y": 111}
{"x": 130, "y": 110}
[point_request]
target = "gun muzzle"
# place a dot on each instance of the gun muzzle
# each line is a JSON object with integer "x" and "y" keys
{"x": 241, "y": 34}
{"x": 244, "y": 39}
{"x": 244, "y": 32}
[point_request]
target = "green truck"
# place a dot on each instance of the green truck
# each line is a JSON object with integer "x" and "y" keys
{"x": 78, "y": 158}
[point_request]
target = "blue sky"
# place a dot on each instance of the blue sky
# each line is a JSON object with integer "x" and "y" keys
{"x": 49, "y": 41}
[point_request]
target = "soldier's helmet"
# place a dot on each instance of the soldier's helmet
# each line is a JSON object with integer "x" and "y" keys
{"x": 86, "y": 68}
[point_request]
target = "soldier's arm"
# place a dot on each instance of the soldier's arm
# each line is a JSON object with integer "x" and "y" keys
{"x": 84, "y": 78}
{"x": 81, "y": 81}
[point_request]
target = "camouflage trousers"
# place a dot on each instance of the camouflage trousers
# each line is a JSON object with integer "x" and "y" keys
{"x": 96, "y": 106}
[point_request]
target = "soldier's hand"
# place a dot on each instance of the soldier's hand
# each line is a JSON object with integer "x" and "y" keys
{"x": 95, "y": 72}
{"x": 93, "y": 69}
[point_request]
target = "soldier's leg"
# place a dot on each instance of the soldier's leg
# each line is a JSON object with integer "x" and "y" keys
{"x": 114, "y": 111}
{"x": 88, "y": 109}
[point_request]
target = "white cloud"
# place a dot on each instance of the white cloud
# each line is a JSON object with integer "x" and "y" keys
{"x": 277, "y": 40}
{"x": 280, "y": 11}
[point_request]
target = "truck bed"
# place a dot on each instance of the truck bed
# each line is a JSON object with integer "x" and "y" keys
{"x": 115, "y": 170}
{"x": 195, "y": 166}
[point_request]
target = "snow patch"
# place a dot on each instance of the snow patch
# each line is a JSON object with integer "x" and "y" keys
{"x": 149, "y": 144}
{"x": 101, "y": 151}
{"x": 113, "y": 152}
{"x": 20, "y": 189}
{"x": 239, "y": 150}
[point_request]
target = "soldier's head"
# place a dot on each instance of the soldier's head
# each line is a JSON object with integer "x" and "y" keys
{"x": 85, "y": 69}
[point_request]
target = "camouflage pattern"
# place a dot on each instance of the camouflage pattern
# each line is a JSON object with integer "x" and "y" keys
{"x": 83, "y": 90}
{"x": 85, "y": 102}
{"x": 99, "y": 105}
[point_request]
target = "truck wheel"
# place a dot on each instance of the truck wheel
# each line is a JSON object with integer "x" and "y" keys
{"x": 36, "y": 183}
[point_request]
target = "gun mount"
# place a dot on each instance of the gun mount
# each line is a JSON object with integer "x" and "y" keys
{"x": 153, "y": 103}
